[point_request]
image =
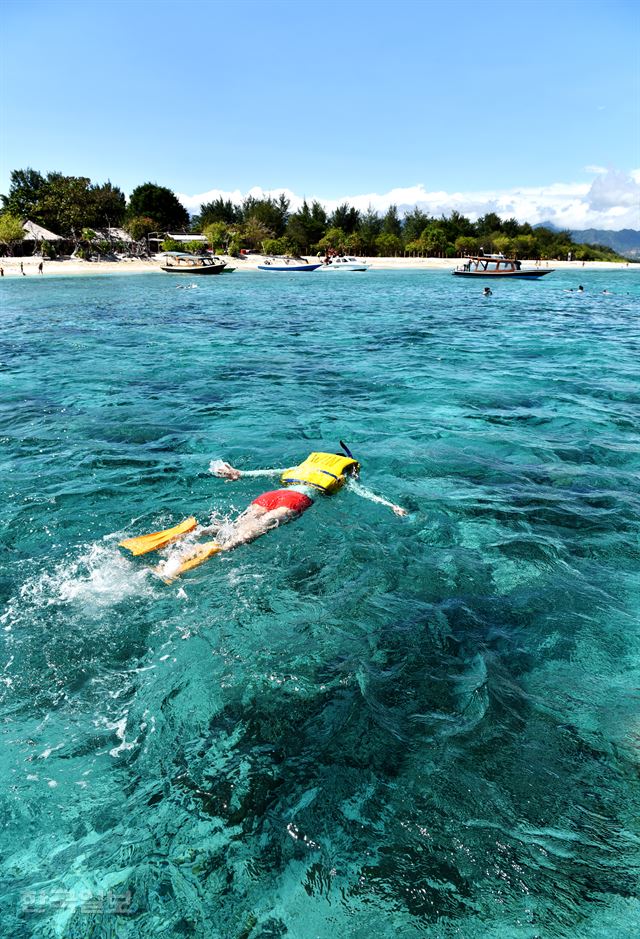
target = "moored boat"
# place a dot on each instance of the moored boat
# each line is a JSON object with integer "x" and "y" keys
{"x": 496, "y": 265}
{"x": 285, "y": 263}
{"x": 344, "y": 262}
{"x": 189, "y": 264}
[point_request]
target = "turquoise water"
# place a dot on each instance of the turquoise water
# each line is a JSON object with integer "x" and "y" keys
{"x": 360, "y": 724}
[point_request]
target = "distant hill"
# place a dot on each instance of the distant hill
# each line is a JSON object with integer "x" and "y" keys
{"x": 626, "y": 242}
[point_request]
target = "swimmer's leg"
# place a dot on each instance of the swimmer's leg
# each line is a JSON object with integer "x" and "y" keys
{"x": 254, "y": 522}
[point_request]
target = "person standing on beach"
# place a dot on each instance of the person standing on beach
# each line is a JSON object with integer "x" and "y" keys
{"x": 22, "y": 269}
{"x": 1, "y": 271}
{"x": 40, "y": 267}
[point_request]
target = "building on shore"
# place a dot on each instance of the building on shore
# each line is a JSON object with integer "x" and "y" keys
{"x": 156, "y": 238}
{"x": 35, "y": 235}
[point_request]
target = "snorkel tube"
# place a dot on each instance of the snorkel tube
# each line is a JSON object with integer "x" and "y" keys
{"x": 355, "y": 470}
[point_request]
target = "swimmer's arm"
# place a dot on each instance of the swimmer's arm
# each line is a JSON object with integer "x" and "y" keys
{"x": 263, "y": 472}
{"x": 361, "y": 490}
{"x": 226, "y": 471}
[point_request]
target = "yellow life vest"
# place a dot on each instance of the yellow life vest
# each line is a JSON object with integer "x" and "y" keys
{"x": 323, "y": 471}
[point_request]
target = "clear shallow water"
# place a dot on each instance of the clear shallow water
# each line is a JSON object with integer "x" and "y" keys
{"x": 359, "y": 724}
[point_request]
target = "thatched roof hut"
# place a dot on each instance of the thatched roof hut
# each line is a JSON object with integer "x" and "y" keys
{"x": 34, "y": 232}
{"x": 114, "y": 234}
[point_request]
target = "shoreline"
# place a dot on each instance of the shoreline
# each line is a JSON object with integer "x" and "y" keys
{"x": 76, "y": 267}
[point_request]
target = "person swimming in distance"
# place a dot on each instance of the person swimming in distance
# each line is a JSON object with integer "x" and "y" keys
{"x": 319, "y": 474}
{"x": 487, "y": 292}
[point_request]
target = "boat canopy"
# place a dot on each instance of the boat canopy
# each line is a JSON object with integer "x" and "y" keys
{"x": 492, "y": 262}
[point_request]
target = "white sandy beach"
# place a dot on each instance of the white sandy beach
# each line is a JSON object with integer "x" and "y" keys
{"x": 11, "y": 266}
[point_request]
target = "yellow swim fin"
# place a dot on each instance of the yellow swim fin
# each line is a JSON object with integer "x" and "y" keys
{"x": 158, "y": 539}
{"x": 192, "y": 559}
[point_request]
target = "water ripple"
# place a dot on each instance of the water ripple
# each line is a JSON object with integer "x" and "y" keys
{"x": 359, "y": 724}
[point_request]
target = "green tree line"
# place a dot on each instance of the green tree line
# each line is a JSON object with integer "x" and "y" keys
{"x": 72, "y": 205}
{"x": 268, "y": 225}
{"x": 69, "y": 205}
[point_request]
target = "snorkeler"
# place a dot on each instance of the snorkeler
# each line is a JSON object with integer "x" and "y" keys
{"x": 320, "y": 473}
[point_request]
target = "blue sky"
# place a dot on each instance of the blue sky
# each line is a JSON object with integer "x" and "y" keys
{"x": 326, "y": 99}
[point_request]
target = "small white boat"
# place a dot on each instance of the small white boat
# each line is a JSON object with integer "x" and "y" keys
{"x": 345, "y": 262}
{"x": 286, "y": 263}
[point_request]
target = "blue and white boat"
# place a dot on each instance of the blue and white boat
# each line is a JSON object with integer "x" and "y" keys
{"x": 286, "y": 263}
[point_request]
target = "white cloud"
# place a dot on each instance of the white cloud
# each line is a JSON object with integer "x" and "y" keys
{"x": 614, "y": 191}
{"x": 611, "y": 201}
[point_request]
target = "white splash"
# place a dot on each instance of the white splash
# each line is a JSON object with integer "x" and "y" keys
{"x": 99, "y": 575}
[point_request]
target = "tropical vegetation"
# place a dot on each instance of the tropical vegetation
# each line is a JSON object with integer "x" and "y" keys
{"x": 11, "y": 231}
{"x": 72, "y": 205}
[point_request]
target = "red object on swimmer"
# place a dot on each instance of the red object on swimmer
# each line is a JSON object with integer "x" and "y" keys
{"x": 283, "y": 498}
